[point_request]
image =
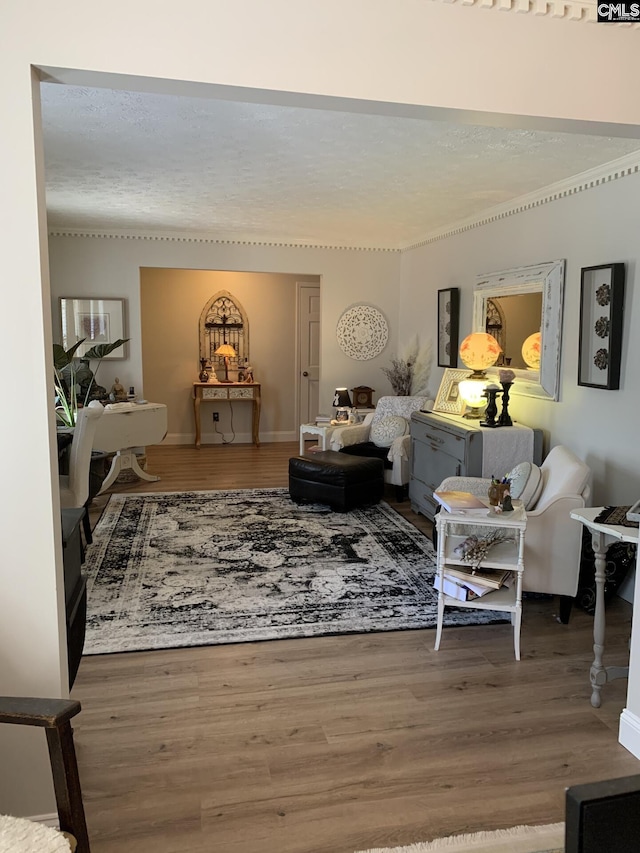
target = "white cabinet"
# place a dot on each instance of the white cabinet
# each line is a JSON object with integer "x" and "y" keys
{"x": 453, "y": 528}
{"x": 446, "y": 446}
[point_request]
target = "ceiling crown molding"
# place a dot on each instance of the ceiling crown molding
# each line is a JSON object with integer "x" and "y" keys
{"x": 179, "y": 237}
{"x": 612, "y": 171}
{"x": 573, "y": 10}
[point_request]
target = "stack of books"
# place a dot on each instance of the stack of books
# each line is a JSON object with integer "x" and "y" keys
{"x": 465, "y": 585}
{"x": 323, "y": 420}
{"x": 460, "y": 502}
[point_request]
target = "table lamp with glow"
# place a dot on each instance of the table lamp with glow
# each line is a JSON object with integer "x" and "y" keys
{"x": 531, "y": 351}
{"x": 227, "y": 352}
{"x": 478, "y": 351}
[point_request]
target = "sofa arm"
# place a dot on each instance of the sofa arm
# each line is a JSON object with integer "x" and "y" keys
{"x": 478, "y": 486}
{"x": 347, "y": 435}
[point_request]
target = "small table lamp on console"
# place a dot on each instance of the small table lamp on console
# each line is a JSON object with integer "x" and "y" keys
{"x": 227, "y": 352}
{"x": 342, "y": 402}
{"x": 477, "y": 351}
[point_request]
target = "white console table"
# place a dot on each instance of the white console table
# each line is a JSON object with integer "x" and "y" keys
{"x": 124, "y": 427}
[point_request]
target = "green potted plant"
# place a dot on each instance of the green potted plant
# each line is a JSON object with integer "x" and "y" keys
{"x": 67, "y": 368}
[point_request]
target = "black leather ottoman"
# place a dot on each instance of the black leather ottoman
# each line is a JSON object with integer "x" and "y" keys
{"x": 344, "y": 482}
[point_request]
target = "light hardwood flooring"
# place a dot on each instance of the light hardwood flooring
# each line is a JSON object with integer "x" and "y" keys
{"x": 337, "y": 744}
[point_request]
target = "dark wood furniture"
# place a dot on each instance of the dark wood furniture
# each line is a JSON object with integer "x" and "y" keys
{"x": 54, "y": 716}
{"x": 75, "y": 587}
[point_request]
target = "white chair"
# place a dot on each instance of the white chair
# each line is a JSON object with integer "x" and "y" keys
{"x": 552, "y": 539}
{"x": 74, "y": 486}
{"x": 385, "y": 434}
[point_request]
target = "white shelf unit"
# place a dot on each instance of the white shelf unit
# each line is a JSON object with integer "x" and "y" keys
{"x": 507, "y": 555}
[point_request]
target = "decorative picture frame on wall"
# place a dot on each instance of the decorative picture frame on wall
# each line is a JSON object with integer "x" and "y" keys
{"x": 99, "y": 321}
{"x": 448, "y": 321}
{"x": 448, "y": 399}
{"x": 601, "y": 314}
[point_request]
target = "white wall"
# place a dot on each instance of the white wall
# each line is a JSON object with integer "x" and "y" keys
{"x": 433, "y": 55}
{"x": 111, "y": 267}
{"x": 593, "y": 227}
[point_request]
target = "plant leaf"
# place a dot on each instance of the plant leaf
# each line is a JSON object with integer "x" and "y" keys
{"x": 62, "y": 357}
{"x": 102, "y": 350}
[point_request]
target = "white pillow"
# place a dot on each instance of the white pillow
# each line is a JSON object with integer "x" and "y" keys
{"x": 384, "y": 431}
{"x": 526, "y": 483}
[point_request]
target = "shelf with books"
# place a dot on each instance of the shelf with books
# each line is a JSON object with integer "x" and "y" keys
{"x": 506, "y": 556}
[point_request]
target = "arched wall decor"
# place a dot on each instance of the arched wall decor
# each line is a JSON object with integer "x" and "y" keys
{"x": 224, "y": 321}
{"x": 362, "y": 332}
{"x": 496, "y": 325}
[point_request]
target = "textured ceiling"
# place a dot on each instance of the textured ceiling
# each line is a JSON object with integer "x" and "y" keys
{"x": 245, "y": 172}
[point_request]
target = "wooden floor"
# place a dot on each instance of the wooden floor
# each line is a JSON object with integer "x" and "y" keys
{"x": 337, "y": 744}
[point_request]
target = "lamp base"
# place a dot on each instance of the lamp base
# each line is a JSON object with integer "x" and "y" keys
{"x": 226, "y": 381}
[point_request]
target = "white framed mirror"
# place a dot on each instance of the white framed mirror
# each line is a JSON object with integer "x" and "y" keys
{"x": 517, "y": 303}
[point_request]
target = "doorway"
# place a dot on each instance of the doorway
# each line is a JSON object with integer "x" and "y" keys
{"x": 308, "y": 391}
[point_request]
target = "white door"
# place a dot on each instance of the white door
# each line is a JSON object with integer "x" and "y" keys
{"x": 308, "y": 351}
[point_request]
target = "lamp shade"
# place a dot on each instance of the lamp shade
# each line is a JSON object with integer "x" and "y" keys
{"x": 531, "y": 349}
{"x": 226, "y": 350}
{"x": 479, "y": 351}
{"x": 341, "y": 398}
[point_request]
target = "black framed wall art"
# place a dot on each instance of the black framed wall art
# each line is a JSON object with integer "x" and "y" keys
{"x": 601, "y": 313}
{"x": 448, "y": 316}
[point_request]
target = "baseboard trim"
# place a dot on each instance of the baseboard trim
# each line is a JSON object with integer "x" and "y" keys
{"x": 629, "y": 732}
{"x": 240, "y": 438}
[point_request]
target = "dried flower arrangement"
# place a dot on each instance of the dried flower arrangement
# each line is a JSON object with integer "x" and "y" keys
{"x": 474, "y": 549}
{"x": 409, "y": 373}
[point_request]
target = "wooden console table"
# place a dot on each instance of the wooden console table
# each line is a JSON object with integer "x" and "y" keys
{"x": 231, "y": 391}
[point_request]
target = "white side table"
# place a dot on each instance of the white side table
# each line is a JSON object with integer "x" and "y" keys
{"x": 121, "y": 429}
{"x": 600, "y": 674}
{"x": 505, "y": 555}
{"x": 322, "y": 430}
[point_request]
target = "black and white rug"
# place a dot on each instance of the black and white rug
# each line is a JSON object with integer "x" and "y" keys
{"x": 203, "y": 568}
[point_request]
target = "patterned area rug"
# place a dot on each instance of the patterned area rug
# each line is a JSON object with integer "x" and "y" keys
{"x": 203, "y": 568}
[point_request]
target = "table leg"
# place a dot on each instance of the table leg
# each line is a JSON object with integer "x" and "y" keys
{"x": 301, "y": 441}
{"x": 256, "y": 419}
{"x": 598, "y": 673}
{"x": 196, "y": 417}
{"x": 440, "y": 571}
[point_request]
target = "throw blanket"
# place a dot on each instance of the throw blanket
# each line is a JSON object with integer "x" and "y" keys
{"x": 504, "y": 447}
{"x": 27, "y": 836}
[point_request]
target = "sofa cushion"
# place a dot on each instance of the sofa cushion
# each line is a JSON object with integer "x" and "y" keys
{"x": 385, "y": 430}
{"x": 526, "y": 483}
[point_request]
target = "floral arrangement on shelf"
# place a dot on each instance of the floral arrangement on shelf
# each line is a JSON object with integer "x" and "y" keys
{"x": 474, "y": 549}
{"x": 69, "y": 371}
{"x": 409, "y": 373}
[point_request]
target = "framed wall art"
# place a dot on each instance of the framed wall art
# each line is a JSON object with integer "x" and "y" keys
{"x": 601, "y": 310}
{"x": 98, "y": 321}
{"x": 448, "y": 316}
{"x": 362, "y": 332}
{"x": 448, "y": 399}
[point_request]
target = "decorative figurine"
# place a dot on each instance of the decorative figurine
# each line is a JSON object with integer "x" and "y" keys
{"x": 118, "y": 392}
{"x": 203, "y": 376}
{"x": 507, "y": 506}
